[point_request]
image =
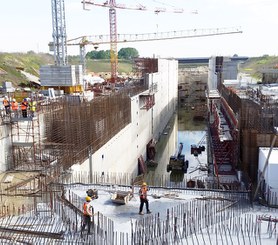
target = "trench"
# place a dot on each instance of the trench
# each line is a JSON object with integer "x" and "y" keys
{"x": 182, "y": 128}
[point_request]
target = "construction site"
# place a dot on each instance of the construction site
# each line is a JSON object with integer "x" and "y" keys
{"x": 81, "y": 140}
{"x": 42, "y": 192}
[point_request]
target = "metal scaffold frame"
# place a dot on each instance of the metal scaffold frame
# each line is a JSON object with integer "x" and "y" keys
{"x": 26, "y": 143}
{"x": 224, "y": 150}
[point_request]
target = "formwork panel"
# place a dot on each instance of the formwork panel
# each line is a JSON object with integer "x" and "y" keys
{"x": 60, "y": 75}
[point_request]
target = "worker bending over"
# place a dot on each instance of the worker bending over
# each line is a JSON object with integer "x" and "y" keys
{"x": 143, "y": 192}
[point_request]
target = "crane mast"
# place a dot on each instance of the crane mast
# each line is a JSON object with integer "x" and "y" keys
{"x": 59, "y": 32}
{"x": 113, "y": 41}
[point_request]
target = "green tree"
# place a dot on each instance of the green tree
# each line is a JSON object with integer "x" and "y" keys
{"x": 102, "y": 54}
{"x": 92, "y": 55}
{"x": 128, "y": 53}
{"x": 124, "y": 53}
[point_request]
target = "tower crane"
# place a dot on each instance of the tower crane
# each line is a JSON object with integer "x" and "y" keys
{"x": 97, "y": 40}
{"x": 112, "y": 5}
{"x": 59, "y": 44}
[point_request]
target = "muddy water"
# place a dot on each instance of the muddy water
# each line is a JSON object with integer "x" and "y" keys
{"x": 181, "y": 129}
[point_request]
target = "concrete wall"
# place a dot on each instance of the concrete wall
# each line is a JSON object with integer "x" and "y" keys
{"x": 121, "y": 153}
{"x": 212, "y": 75}
{"x": 270, "y": 175}
{"x": 5, "y": 147}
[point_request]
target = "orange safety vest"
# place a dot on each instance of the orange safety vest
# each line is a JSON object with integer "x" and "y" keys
{"x": 24, "y": 105}
{"x": 6, "y": 102}
{"x": 143, "y": 192}
{"x": 14, "y": 106}
{"x": 85, "y": 208}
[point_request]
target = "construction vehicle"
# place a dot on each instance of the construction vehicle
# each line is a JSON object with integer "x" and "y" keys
{"x": 93, "y": 193}
{"x": 197, "y": 149}
{"x": 121, "y": 197}
{"x": 178, "y": 162}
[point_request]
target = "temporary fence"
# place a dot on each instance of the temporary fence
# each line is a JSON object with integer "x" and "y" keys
{"x": 187, "y": 219}
{"x": 214, "y": 217}
{"x": 269, "y": 196}
{"x": 159, "y": 180}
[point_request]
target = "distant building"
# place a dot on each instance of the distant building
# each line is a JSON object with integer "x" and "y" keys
{"x": 270, "y": 76}
{"x": 7, "y": 87}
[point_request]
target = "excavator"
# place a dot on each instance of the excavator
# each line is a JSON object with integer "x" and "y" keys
{"x": 177, "y": 162}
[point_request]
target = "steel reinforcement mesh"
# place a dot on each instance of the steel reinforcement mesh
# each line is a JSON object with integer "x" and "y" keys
{"x": 74, "y": 126}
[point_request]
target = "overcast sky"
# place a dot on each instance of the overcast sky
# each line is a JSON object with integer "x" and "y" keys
{"x": 27, "y": 25}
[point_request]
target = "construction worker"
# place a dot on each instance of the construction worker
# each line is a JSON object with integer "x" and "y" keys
{"x": 144, "y": 198}
{"x": 87, "y": 214}
{"x": 32, "y": 107}
{"x": 24, "y": 106}
{"x": 6, "y": 104}
{"x": 15, "y": 107}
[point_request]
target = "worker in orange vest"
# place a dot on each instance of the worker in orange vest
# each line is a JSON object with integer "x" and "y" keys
{"x": 87, "y": 214}
{"x": 6, "y": 104}
{"x": 144, "y": 198}
{"x": 15, "y": 107}
{"x": 24, "y": 107}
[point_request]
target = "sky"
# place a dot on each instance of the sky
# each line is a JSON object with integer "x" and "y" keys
{"x": 27, "y": 25}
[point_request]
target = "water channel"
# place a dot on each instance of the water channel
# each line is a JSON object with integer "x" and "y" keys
{"x": 180, "y": 129}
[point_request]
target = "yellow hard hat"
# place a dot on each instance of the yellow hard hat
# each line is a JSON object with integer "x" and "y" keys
{"x": 88, "y": 199}
{"x": 144, "y": 183}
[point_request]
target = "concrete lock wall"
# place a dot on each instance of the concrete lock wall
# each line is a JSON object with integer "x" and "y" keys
{"x": 121, "y": 153}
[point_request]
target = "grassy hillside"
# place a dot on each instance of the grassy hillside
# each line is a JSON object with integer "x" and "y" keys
{"x": 255, "y": 65}
{"x": 124, "y": 66}
{"x": 12, "y": 63}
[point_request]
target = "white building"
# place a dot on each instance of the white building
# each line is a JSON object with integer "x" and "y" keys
{"x": 269, "y": 183}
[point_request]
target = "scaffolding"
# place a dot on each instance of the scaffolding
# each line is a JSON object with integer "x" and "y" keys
{"x": 256, "y": 111}
{"x": 74, "y": 126}
{"x": 224, "y": 143}
{"x": 192, "y": 91}
{"x": 26, "y": 143}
